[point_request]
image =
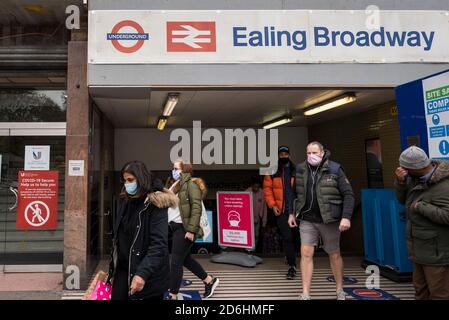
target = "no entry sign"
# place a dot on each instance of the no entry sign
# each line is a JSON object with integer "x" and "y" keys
{"x": 235, "y": 219}
{"x": 37, "y": 206}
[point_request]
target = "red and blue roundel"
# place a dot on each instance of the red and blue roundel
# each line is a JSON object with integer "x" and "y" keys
{"x": 117, "y": 37}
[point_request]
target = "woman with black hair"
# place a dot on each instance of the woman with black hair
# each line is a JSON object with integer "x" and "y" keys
{"x": 139, "y": 265}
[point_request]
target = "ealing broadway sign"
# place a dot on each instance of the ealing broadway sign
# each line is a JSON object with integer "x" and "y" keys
{"x": 262, "y": 36}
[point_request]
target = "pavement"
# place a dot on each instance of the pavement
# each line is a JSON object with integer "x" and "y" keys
{"x": 31, "y": 295}
{"x": 31, "y": 286}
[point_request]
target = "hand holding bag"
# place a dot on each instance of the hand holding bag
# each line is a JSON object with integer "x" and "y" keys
{"x": 100, "y": 288}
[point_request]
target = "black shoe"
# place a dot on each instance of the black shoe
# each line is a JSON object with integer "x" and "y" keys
{"x": 291, "y": 274}
{"x": 171, "y": 298}
{"x": 209, "y": 288}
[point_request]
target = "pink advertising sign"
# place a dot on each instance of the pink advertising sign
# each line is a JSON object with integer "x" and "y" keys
{"x": 235, "y": 219}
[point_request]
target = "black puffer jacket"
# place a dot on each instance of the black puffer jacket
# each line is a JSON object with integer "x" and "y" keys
{"x": 149, "y": 257}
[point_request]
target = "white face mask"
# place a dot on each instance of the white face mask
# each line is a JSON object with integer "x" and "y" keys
{"x": 176, "y": 174}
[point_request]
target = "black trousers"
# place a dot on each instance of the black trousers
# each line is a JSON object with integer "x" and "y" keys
{"x": 288, "y": 241}
{"x": 180, "y": 256}
{"x": 120, "y": 288}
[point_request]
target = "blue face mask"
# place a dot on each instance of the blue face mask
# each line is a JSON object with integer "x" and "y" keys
{"x": 131, "y": 188}
{"x": 176, "y": 174}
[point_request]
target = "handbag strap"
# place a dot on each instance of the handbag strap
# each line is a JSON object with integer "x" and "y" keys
{"x": 110, "y": 272}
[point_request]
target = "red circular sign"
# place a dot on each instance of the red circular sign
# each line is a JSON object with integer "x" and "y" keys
{"x": 367, "y": 293}
{"x": 127, "y": 23}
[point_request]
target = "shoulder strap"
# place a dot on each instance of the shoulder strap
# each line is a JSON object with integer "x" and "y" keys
{"x": 334, "y": 167}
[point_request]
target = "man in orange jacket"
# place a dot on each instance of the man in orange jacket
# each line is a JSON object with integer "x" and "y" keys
{"x": 277, "y": 189}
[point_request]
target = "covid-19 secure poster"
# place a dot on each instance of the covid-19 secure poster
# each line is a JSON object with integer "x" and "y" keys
{"x": 436, "y": 104}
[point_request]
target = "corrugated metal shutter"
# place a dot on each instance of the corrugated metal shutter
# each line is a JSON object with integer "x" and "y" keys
{"x": 33, "y": 58}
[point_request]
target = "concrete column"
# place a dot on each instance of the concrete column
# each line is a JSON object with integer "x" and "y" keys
{"x": 76, "y": 213}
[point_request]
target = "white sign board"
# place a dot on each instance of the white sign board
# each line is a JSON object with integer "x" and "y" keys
{"x": 267, "y": 36}
{"x": 436, "y": 104}
{"x": 76, "y": 168}
{"x": 37, "y": 157}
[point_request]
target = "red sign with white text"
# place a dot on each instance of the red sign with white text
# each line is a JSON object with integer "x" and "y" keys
{"x": 193, "y": 36}
{"x": 235, "y": 219}
{"x": 37, "y": 206}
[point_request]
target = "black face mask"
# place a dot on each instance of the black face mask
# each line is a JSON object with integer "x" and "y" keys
{"x": 284, "y": 161}
{"x": 415, "y": 176}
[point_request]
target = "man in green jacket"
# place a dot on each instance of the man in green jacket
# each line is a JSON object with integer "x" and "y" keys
{"x": 422, "y": 186}
{"x": 324, "y": 204}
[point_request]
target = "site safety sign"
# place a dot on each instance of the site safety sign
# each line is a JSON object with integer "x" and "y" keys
{"x": 436, "y": 105}
{"x": 267, "y": 36}
{"x": 37, "y": 206}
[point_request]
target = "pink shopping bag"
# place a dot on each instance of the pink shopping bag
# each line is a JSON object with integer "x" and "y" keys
{"x": 102, "y": 291}
{"x": 99, "y": 289}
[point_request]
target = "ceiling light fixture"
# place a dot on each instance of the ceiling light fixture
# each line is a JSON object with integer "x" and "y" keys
{"x": 170, "y": 104}
{"x": 161, "y": 123}
{"x": 277, "y": 122}
{"x": 330, "y": 104}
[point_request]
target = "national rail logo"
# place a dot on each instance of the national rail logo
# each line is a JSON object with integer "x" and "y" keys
{"x": 191, "y": 36}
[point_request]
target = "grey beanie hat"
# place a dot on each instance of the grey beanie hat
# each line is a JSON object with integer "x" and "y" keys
{"x": 414, "y": 158}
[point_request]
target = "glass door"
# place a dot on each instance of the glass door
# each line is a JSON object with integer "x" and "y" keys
{"x": 28, "y": 247}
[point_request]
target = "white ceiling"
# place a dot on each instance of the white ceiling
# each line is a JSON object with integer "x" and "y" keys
{"x": 140, "y": 107}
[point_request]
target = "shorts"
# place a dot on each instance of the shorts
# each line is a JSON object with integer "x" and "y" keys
{"x": 330, "y": 234}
